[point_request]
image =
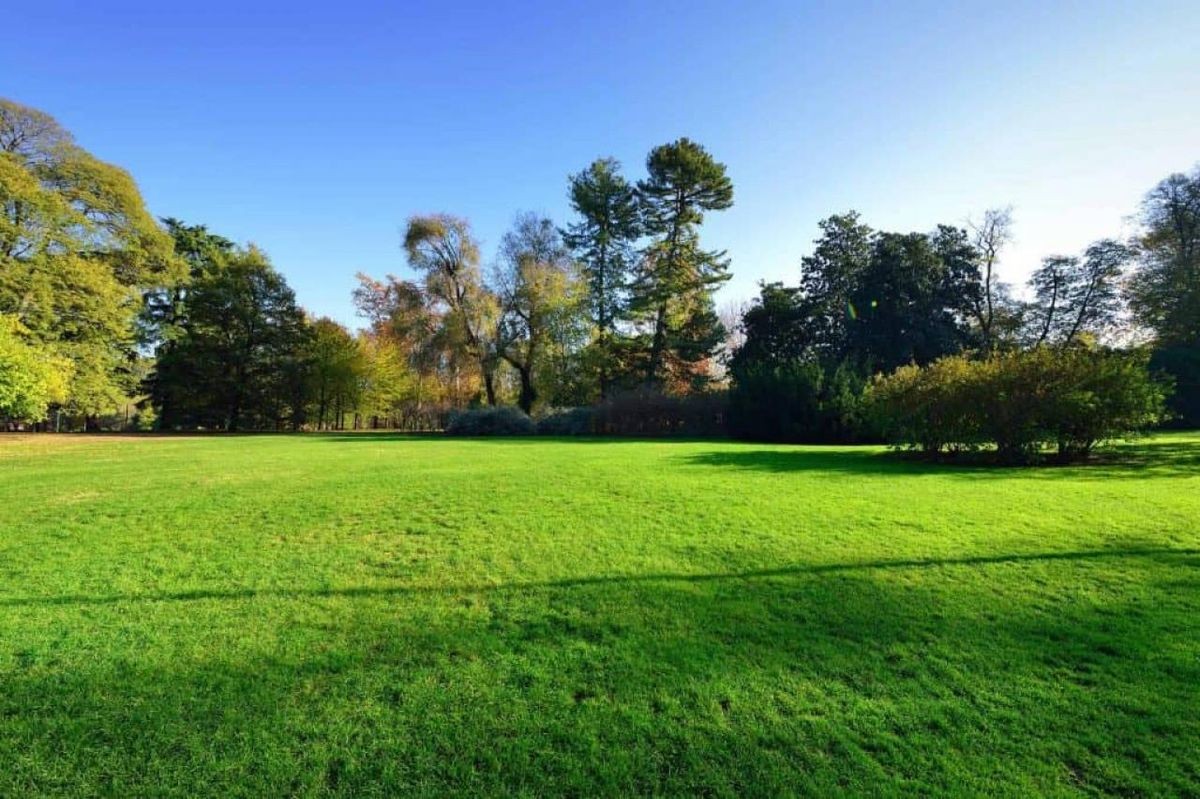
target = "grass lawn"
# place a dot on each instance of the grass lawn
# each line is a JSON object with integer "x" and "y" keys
{"x": 370, "y": 615}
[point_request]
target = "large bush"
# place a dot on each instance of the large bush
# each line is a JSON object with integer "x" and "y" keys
{"x": 796, "y": 401}
{"x": 1019, "y": 403}
{"x": 651, "y": 413}
{"x": 499, "y": 421}
{"x": 933, "y": 408}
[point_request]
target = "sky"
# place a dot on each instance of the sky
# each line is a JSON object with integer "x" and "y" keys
{"x": 314, "y": 130}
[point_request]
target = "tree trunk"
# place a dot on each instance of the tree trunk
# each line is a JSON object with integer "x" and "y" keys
{"x": 658, "y": 346}
{"x": 604, "y": 345}
{"x": 489, "y": 382}
{"x": 528, "y": 393}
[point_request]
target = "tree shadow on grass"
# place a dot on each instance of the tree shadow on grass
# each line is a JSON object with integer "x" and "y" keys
{"x": 1162, "y": 554}
{"x": 1142, "y": 460}
{"x": 813, "y": 680}
{"x": 368, "y": 436}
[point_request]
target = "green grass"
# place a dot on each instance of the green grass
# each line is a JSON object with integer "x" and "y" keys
{"x": 378, "y": 616}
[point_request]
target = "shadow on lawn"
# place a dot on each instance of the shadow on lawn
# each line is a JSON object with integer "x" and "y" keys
{"x": 642, "y": 685}
{"x": 1141, "y": 460}
{"x": 1155, "y": 553}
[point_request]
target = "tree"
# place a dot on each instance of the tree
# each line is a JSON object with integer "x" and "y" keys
{"x": 31, "y": 378}
{"x": 782, "y": 388}
{"x": 828, "y": 277}
{"x": 1049, "y": 284}
{"x": 389, "y": 387}
{"x": 407, "y": 326}
{"x": 990, "y": 303}
{"x": 904, "y": 306}
{"x": 540, "y": 300}
{"x": 336, "y": 366}
{"x": 78, "y": 251}
{"x": 775, "y": 329}
{"x": 1076, "y": 296}
{"x": 240, "y": 360}
{"x": 1165, "y": 290}
{"x": 602, "y": 241}
{"x": 441, "y": 248}
{"x": 677, "y": 277}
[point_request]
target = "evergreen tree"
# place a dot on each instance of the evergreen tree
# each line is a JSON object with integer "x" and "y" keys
{"x": 603, "y": 241}
{"x": 239, "y": 358}
{"x": 673, "y": 289}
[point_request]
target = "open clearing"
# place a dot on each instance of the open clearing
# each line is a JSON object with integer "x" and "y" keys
{"x": 377, "y": 615}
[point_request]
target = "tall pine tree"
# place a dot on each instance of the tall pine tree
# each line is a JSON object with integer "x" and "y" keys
{"x": 603, "y": 243}
{"x": 677, "y": 277}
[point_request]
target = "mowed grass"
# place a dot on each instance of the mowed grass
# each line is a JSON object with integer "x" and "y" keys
{"x": 373, "y": 615}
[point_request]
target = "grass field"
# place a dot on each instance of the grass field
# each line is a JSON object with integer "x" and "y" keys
{"x": 368, "y": 615}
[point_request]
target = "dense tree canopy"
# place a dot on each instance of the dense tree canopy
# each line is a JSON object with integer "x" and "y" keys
{"x": 29, "y": 381}
{"x": 102, "y": 306}
{"x": 1165, "y": 291}
{"x": 78, "y": 250}
{"x": 239, "y": 359}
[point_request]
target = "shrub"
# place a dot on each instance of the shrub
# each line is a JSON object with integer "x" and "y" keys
{"x": 568, "y": 422}
{"x": 499, "y": 421}
{"x": 932, "y": 408}
{"x": 1102, "y": 396}
{"x": 1019, "y": 402}
{"x": 797, "y": 402}
{"x": 652, "y": 413}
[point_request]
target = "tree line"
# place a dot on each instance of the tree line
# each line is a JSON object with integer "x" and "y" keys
{"x": 872, "y": 302}
{"x": 111, "y": 318}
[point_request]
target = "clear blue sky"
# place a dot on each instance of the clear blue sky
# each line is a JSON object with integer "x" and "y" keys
{"x": 315, "y": 130}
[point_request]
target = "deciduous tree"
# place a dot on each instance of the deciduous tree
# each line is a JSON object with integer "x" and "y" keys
{"x": 443, "y": 251}
{"x": 540, "y": 297}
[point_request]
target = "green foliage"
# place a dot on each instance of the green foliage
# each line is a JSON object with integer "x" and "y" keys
{"x": 649, "y": 413}
{"x": 796, "y": 401}
{"x": 602, "y": 241}
{"x": 905, "y": 306}
{"x": 77, "y": 252}
{"x": 828, "y": 278}
{"x": 1020, "y": 402}
{"x": 336, "y": 367}
{"x": 541, "y": 300}
{"x": 240, "y": 360}
{"x": 875, "y": 299}
{"x": 503, "y": 420}
{"x": 356, "y": 615}
{"x": 1164, "y": 292}
{"x": 934, "y": 408}
{"x": 676, "y": 277}
{"x": 31, "y": 377}
{"x": 1180, "y": 363}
